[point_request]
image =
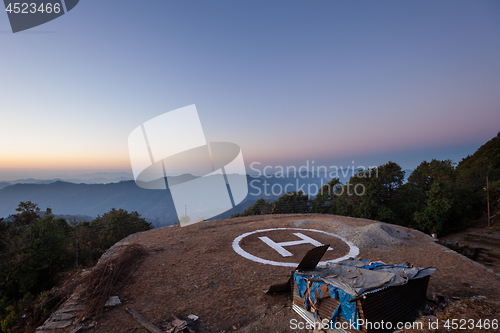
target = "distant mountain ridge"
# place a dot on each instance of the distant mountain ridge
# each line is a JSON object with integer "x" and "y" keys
{"x": 88, "y": 178}
{"x": 156, "y": 206}
{"x": 92, "y": 199}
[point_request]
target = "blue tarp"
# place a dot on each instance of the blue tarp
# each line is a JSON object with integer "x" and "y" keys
{"x": 350, "y": 278}
{"x": 318, "y": 290}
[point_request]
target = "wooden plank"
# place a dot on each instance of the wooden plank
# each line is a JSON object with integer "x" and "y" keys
{"x": 143, "y": 321}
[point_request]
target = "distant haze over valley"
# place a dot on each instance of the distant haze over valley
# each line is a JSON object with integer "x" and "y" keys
{"x": 94, "y": 199}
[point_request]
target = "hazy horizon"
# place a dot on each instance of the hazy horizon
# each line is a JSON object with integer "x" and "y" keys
{"x": 329, "y": 82}
{"x": 412, "y": 160}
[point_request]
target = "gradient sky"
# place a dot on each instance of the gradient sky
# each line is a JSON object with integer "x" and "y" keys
{"x": 329, "y": 81}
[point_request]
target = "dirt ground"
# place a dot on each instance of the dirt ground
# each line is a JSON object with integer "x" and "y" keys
{"x": 481, "y": 243}
{"x": 195, "y": 270}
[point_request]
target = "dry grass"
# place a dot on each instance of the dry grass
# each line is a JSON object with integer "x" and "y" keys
{"x": 100, "y": 284}
{"x": 469, "y": 315}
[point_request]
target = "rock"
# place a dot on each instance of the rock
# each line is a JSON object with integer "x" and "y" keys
{"x": 193, "y": 317}
{"x": 62, "y": 316}
{"x": 55, "y": 324}
{"x": 70, "y": 308}
{"x": 113, "y": 301}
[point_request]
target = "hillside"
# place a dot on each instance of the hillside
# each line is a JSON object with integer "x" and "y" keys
{"x": 486, "y": 160}
{"x": 195, "y": 270}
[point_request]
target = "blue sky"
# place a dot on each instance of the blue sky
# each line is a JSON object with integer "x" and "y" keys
{"x": 329, "y": 81}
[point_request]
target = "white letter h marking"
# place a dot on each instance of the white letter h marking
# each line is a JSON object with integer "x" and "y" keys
{"x": 279, "y": 247}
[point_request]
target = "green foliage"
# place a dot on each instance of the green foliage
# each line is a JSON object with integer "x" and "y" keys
{"x": 426, "y": 173}
{"x": 3, "y": 231}
{"x": 116, "y": 225}
{"x": 47, "y": 248}
{"x": 9, "y": 321}
{"x": 260, "y": 207}
{"x": 368, "y": 194}
{"x": 289, "y": 203}
{"x": 34, "y": 249}
{"x": 32, "y": 258}
{"x": 27, "y": 213}
{"x": 485, "y": 161}
{"x": 433, "y": 217}
{"x": 292, "y": 203}
{"x": 325, "y": 199}
{"x": 380, "y": 186}
{"x": 413, "y": 195}
{"x": 471, "y": 173}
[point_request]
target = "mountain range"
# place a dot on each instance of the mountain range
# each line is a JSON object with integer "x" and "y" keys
{"x": 94, "y": 194}
{"x": 154, "y": 205}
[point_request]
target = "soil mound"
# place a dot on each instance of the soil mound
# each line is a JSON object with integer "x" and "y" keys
{"x": 374, "y": 235}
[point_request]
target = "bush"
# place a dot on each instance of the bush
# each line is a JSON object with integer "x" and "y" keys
{"x": 116, "y": 225}
{"x": 34, "y": 250}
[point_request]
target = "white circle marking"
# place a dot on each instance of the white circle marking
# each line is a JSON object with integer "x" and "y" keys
{"x": 353, "y": 249}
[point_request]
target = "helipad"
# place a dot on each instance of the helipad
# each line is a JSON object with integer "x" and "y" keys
{"x": 297, "y": 237}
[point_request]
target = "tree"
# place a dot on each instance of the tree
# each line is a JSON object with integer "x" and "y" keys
{"x": 292, "y": 203}
{"x": 433, "y": 217}
{"x": 116, "y": 225}
{"x": 32, "y": 256}
{"x": 289, "y": 203}
{"x": 471, "y": 177}
{"x": 370, "y": 193}
{"x": 47, "y": 249}
{"x": 27, "y": 213}
{"x": 414, "y": 195}
{"x": 3, "y": 231}
{"x": 325, "y": 199}
{"x": 428, "y": 172}
{"x": 485, "y": 161}
{"x": 34, "y": 249}
{"x": 260, "y": 207}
